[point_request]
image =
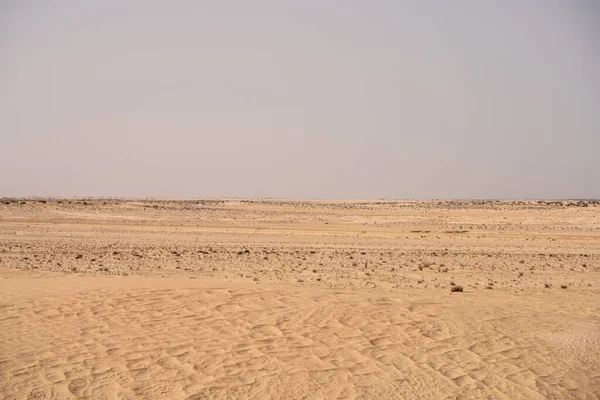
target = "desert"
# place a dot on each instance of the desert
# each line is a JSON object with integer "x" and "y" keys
{"x": 104, "y": 298}
{"x": 299, "y": 200}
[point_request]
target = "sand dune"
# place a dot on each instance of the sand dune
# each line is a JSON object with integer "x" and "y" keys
{"x": 68, "y": 331}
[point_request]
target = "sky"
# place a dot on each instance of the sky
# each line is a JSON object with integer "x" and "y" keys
{"x": 300, "y": 99}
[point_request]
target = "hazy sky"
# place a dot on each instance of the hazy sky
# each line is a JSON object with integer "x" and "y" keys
{"x": 345, "y": 99}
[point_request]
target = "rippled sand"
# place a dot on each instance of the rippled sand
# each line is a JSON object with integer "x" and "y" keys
{"x": 289, "y": 299}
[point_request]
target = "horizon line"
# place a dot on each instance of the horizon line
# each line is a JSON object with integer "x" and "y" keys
{"x": 194, "y": 198}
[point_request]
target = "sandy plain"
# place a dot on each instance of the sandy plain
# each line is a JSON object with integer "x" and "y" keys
{"x": 204, "y": 299}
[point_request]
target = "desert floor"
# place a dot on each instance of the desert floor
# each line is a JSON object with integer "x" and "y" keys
{"x": 203, "y": 299}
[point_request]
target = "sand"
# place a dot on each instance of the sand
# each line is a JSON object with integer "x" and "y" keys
{"x": 165, "y": 299}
